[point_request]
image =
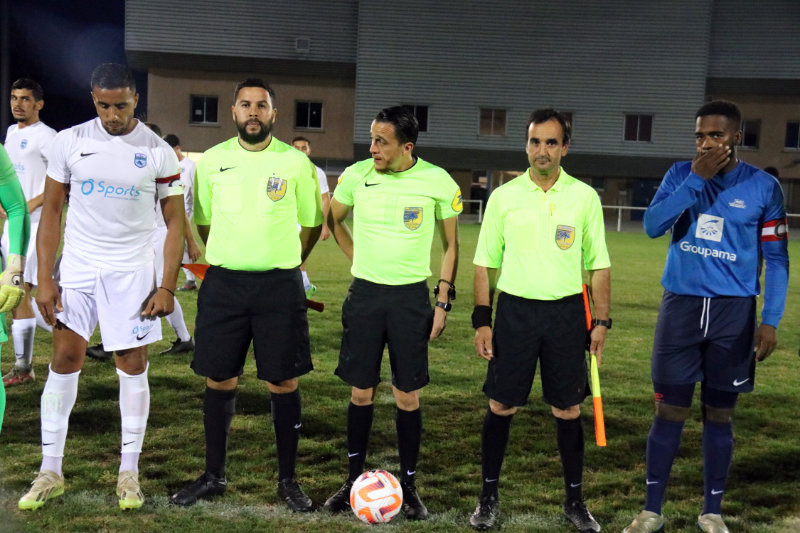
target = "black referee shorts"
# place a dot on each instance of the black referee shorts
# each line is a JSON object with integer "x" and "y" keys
{"x": 236, "y": 307}
{"x": 527, "y": 331}
{"x": 374, "y": 315}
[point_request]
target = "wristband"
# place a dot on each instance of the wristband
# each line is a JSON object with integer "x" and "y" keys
{"x": 169, "y": 291}
{"x": 481, "y": 316}
{"x": 451, "y": 290}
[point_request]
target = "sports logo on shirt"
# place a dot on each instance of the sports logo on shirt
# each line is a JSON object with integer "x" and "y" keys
{"x": 412, "y": 217}
{"x": 457, "y": 203}
{"x": 23, "y": 144}
{"x": 565, "y": 236}
{"x": 276, "y": 188}
{"x": 709, "y": 227}
{"x": 140, "y": 160}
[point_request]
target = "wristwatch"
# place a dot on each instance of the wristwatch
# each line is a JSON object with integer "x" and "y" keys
{"x": 599, "y": 322}
{"x": 447, "y": 306}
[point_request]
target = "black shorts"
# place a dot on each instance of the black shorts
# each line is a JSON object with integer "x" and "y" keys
{"x": 705, "y": 339}
{"x": 527, "y": 331}
{"x": 374, "y": 315}
{"x": 268, "y": 308}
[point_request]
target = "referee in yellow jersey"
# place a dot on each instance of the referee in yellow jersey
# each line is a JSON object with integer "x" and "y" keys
{"x": 251, "y": 192}
{"x": 540, "y": 228}
{"x": 397, "y": 200}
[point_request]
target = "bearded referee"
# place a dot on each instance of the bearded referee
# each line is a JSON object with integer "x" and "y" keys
{"x": 725, "y": 216}
{"x": 542, "y": 228}
{"x": 251, "y": 191}
{"x": 397, "y": 200}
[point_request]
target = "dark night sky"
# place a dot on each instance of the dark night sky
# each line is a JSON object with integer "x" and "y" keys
{"x": 59, "y": 43}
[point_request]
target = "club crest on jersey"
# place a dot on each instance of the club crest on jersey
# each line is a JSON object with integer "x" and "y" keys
{"x": 412, "y": 217}
{"x": 709, "y": 227}
{"x": 276, "y": 188}
{"x": 565, "y": 236}
{"x": 23, "y": 144}
{"x": 140, "y": 160}
{"x": 457, "y": 203}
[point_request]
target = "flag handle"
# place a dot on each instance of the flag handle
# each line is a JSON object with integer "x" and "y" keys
{"x": 599, "y": 420}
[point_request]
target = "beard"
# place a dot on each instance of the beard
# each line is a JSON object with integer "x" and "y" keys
{"x": 254, "y": 138}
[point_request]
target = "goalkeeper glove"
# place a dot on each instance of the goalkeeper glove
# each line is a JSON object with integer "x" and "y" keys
{"x": 11, "y": 290}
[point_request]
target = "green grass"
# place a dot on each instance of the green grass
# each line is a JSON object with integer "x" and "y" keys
{"x": 761, "y": 495}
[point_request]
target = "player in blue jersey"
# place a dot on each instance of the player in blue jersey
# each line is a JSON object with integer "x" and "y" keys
{"x": 725, "y": 215}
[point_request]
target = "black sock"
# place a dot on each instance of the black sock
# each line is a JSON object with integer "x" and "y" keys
{"x": 219, "y": 407}
{"x": 359, "y": 425}
{"x": 570, "y": 446}
{"x": 286, "y": 420}
{"x": 409, "y": 436}
{"x": 494, "y": 440}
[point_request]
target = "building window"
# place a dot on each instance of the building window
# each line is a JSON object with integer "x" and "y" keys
{"x": 792, "y": 136}
{"x": 492, "y": 122}
{"x": 204, "y": 110}
{"x": 639, "y": 128}
{"x": 421, "y": 112}
{"x": 751, "y": 131}
{"x": 308, "y": 115}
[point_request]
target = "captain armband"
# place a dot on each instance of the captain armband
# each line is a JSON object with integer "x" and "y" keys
{"x": 169, "y": 186}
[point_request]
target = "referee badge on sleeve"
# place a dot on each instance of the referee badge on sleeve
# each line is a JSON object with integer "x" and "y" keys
{"x": 565, "y": 236}
{"x": 457, "y": 204}
{"x": 276, "y": 188}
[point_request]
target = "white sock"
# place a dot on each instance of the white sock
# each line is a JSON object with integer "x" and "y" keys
{"x": 175, "y": 319}
{"x": 306, "y": 281}
{"x": 189, "y": 275}
{"x": 40, "y": 319}
{"x": 58, "y": 398}
{"x": 23, "y": 330}
{"x": 134, "y": 408}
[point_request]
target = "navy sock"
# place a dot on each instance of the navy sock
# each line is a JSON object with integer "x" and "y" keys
{"x": 409, "y": 437}
{"x": 571, "y": 447}
{"x": 219, "y": 407}
{"x": 286, "y": 420}
{"x": 494, "y": 440}
{"x": 662, "y": 447}
{"x": 359, "y": 424}
{"x": 717, "y": 456}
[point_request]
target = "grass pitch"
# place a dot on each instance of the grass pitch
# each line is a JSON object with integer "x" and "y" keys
{"x": 761, "y": 495}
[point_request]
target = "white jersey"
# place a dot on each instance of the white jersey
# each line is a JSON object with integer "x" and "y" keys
{"x": 323, "y": 180}
{"x": 114, "y": 182}
{"x": 27, "y": 147}
{"x": 187, "y": 180}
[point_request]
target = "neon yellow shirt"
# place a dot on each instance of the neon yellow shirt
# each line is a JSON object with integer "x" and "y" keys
{"x": 394, "y": 216}
{"x": 541, "y": 239}
{"x": 253, "y": 202}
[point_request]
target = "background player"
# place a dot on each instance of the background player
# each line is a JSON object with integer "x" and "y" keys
{"x": 725, "y": 215}
{"x": 112, "y": 169}
{"x": 397, "y": 200}
{"x": 26, "y": 143}
{"x": 188, "y": 169}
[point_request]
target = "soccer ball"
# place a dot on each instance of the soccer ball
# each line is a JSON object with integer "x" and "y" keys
{"x": 376, "y": 496}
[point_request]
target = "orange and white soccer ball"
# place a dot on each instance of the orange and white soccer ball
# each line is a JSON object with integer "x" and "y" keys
{"x": 376, "y": 496}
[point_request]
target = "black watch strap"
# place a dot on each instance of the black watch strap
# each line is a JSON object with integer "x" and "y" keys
{"x": 599, "y": 322}
{"x": 447, "y": 306}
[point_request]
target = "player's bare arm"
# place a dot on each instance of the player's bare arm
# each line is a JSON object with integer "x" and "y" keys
{"x": 35, "y": 203}
{"x": 162, "y": 302}
{"x": 308, "y": 238}
{"x": 485, "y": 284}
{"x": 47, "y": 240}
{"x": 448, "y": 231}
{"x": 341, "y": 231}
{"x": 326, "y": 207}
{"x": 191, "y": 243}
{"x": 600, "y": 282}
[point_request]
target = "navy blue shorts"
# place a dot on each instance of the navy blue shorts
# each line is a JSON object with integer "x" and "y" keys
{"x": 529, "y": 331}
{"x": 709, "y": 340}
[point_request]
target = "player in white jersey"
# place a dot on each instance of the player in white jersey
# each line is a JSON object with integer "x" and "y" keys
{"x": 188, "y": 168}
{"x": 112, "y": 169}
{"x": 26, "y": 144}
{"x": 304, "y": 145}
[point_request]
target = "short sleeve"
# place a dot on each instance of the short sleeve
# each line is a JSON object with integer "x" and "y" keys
{"x": 344, "y": 189}
{"x": 309, "y": 203}
{"x": 491, "y": 244}
{"x": 595, "y": 252}
{"x": 202, "y": 195}
{"x": 58, "y": 158}
{"x": 449, "y": 202}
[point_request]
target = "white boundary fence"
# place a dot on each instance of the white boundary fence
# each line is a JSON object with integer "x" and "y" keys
{"x": 620, "y": 209}
{"x": 480, "y": 208}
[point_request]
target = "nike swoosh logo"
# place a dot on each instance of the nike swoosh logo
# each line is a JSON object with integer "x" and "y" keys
{"x": 48, "y": 443}
{"x": 715, "y": 492}
{"x": 651, "y": 482}
{"x": 370, "y": 184}
{"x": 138, "y": 338}
{"x": 87, "y": 154}
{"x": 352, "y": 454}
{"x": 736, "y": 382}
{"x": 410, "y": 472}
{"x": 487, "y": 480}
{"x": 573, "y": 485}
{"x": 223, "y": 169}
{"x": 298, "y": 426}
{"x": 126, "y": 443}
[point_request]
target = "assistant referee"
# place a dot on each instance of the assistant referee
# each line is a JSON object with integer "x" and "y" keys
{"x": 540, "y": 228}
{"x": 251, "y": 191}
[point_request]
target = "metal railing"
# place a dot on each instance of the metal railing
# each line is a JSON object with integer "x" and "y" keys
{"x": 620, "y": 209}
{"x": 480, "y": 208}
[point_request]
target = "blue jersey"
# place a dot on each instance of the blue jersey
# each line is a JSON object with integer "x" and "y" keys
{"x": 721, "y": 228}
